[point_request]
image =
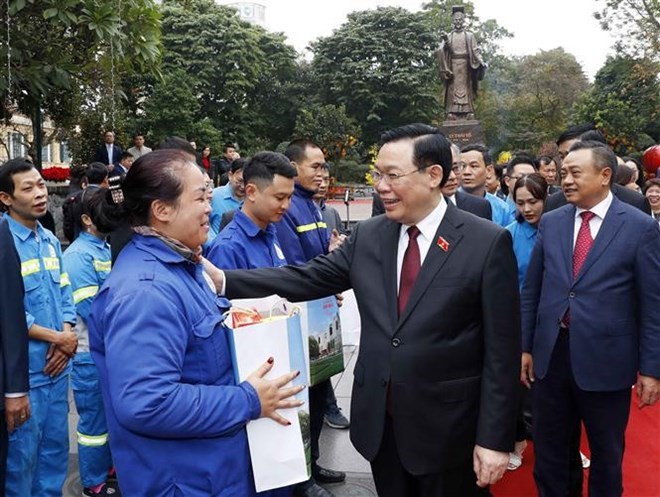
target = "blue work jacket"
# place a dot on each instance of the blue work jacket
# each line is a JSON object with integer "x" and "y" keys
{"x": 87, "y": 261}
{"x": 176, "y": 416}
{"x": 524, "y": 238}
{"x": 223, "y": 200}
{"x": 302, "y": 233}
{"x": 243, "y": 245}
{"x": 47, "y": 300}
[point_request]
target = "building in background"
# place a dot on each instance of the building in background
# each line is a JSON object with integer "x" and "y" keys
{"x": 251, "y": 12}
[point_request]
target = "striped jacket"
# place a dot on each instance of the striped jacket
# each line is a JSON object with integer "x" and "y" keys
{"x": 48, "y": 300}
{"x": 87, "y": 262}
{"x": 302, "y": 233}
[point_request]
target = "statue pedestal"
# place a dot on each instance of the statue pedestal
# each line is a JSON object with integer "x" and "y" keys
{"x": 462, "y": 132}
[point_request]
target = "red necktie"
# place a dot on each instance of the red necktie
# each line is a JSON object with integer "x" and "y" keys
{"x": 409, "y": 268}
{"x": 583, "y": 243}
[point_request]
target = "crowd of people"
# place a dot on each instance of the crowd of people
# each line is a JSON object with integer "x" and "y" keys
{"x": 476, "y": 286}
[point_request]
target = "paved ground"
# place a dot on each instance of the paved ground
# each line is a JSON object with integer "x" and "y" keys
{"x": 336, "y": 449}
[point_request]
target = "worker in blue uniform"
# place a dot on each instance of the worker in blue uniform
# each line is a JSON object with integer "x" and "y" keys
{"x": 303, "y": 235}
{"x": 250, "y": 240}
{"x": 39, "y": 449}
{"x": 228, "y": 197}
{"x": 87, "y": 262}
{"x": 176, "y": 417}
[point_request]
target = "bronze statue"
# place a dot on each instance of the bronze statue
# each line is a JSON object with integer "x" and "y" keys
{"x": 461, "y": 68}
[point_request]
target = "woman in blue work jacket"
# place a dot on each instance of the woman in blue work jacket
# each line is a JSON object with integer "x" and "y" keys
{"x": 87, "y": 261}
{"x": 176, "y": 417}
{"x": 529, "y": 194}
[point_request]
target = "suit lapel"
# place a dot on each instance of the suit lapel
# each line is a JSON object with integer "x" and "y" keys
{"x": 566, "y": 241}
{"x": 435, "y": 259}
{"x": 612, "y": 223}
{"x": 389, "y": 248}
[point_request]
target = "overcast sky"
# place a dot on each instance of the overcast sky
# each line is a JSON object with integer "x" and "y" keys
{"x": 535, "y": 24}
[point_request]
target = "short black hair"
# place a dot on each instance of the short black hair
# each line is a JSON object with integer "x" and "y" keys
{"x": 545, "y": 160}
{"x": 430, "y": 146}
{"x": 478, "y": 147}
{"x": 96, "y": 173}
{"x": 601, "y": 153}
{"x": 238, "y": 164}
{"x": 138, "y": 134}
{"x": 624, "y": 175}
{"x": 574, "y": 132}
{"x": 296, "y": 149}
{"x": 126, "y": 155}
{"x": 593, "y": 135}
{"x": 227, "y": 146}
{"x": 11, "y": 168}
{"x": 522, "y": 158}
{"x": 262, "y": 168}
{"x": 177, "y": 143}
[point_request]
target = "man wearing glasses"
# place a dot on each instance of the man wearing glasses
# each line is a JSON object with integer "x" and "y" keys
{"x": 436, "y": 380}
{"x": 228, "y": 197}
{"x": 520, "y": 165}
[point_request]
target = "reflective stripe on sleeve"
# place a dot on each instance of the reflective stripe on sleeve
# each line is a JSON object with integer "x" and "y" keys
{"x": 30, "y": 267}
{"x": 84, "y": 293}
{"x": 64, "y": 280}
{"x": 102, "y": 265}
{"x": 92, "y": 440}
{"x": 309, "y": 227}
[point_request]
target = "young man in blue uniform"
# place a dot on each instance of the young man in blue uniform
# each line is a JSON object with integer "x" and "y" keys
{"x": 228, "y": 197}
{"x": 87, "y": 262}
{"x": 249, "y": 240}
{"x": 39, "y": 449}
{"x": 303, "y": 235}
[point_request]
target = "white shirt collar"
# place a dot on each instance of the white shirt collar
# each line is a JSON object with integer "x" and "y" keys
{"x": 600, "y": 209}
{"x": 429, "y": 225}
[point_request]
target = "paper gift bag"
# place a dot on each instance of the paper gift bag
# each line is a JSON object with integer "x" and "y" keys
{"x": 321, "y": 329}
{"x": 280, "y": 455}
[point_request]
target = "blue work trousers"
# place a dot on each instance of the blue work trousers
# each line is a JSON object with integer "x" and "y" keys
{"x": 39, "y": 449}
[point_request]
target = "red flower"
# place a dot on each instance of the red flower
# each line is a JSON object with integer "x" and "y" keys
{"x": 55, "y": 173}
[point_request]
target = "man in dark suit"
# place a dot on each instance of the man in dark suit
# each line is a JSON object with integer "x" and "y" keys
{"x": 13, "y": 346}
{"x": 108, "y": 153}
{"x": 478, "y": 206}
{"x": 435, "y": 384}
{"x": 464, "y": 201}
{"x": 564, "y": 143}
{"x": 591, "y": 322}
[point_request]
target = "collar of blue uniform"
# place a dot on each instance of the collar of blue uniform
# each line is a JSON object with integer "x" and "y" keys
{"x": 95, "y": 240}
{"x": 303, "y": 192}
{"x": 249, "y": 226}
{"x": 22, "y": 231}
{"x": 188, "y": 254}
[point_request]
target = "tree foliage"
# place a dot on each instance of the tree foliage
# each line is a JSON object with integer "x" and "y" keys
{"x": 241, "y": 74}
{"x": 624, "y": 102}
{"x": 62, "y": 48}
{"x": 636, "y": 23}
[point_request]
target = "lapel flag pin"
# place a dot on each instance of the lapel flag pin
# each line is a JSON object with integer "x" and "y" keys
{"x": 443, "y": 244}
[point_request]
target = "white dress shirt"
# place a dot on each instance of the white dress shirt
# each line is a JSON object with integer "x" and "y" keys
{"x": 600, "y": 210}
{"x": 428, "y": 227}
{"x": 109, "y": 147}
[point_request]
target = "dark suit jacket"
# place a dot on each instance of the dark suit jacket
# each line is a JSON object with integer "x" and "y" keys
{"x": 478, "y": 206}
{"x": 451, "y": 362}
{"x": 102, "y": 155}
{"x": 13, "y": 328}
{"x": 614, "y": 301}
{"x": 626, "y": 195}
{"x": 475, "y": 205}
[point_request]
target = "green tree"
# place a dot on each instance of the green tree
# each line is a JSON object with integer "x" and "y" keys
{"x": 60, "y": 49}
{"x": 241, "y": 74}
{"x": 546, "y": 86}
{"x": 624, "y": 102}
{"x": 382, "y": 80}
{"x": 636, "y": 23}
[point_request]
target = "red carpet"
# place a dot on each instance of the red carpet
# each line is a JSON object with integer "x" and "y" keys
{"x": 641, "y": 462}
